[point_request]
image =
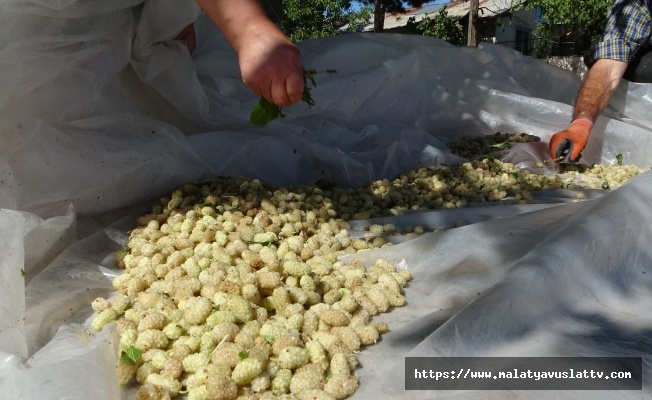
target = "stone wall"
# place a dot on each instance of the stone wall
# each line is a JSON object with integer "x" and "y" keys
{"x": 574, "y": 63}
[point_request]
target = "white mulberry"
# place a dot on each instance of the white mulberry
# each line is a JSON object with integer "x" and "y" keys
{"x": 153, "y": 320}
{"x": 314, "y": 394}
{"x": 281, "y": 382}
{"x": 228, "y": 353}
{"x": 335, "y": 317}
{"x": 221, "y": 388}
{"x": 149, "y": 391}
{"x": 292, "y": 357}
{"x": 368, "y": 334}
{"x": 246, "y": 370}
{"x": 193, "y": 362}
{"x": 172, "y": 385}
{"x": 348, "y": 336}
{"x": 240, "y": 307}
{"x": 309, "y": 376}
{"x": 196, "y": 310}
{"x": 105, "y": 317}
{"x": 341, "y": 385}
{"x": 151, "y": 339}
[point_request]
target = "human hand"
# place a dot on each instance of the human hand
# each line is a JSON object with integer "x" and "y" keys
{"x": 271, "y": 66}
{"x": 566, "y": 146}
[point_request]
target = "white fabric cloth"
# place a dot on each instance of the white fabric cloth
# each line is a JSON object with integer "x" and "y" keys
{"x": 101, "y": 112}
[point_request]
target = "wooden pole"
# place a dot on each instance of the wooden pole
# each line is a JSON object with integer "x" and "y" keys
{"x": 379, "y": 16}
{"x": 472, "y": 37}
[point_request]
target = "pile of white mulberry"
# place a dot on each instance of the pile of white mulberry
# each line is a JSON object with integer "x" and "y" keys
{"x": 234, "y": 288}
{"x": 481, "y": 146}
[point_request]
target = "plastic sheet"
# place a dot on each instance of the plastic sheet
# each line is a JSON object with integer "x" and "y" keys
{"x": 101, "y": 112}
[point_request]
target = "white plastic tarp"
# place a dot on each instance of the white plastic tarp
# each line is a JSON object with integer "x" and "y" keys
{"x": 101, "y": 112}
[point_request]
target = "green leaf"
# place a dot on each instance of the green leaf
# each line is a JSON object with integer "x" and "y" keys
{"x": 605, "y": 185}
{"x": 503, "y": 145}
{"x": 619, "y": 159}
{"x": 242, "y": 355}
{"x": 265, "y": 112}
{"x": 22, "y": 272}
{"x": 131, "y": 355}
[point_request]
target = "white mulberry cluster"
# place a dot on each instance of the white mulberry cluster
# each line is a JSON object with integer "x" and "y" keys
{"x": 232, "y": 287}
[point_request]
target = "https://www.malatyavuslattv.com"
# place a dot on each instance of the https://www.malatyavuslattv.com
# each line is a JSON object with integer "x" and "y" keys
{"x": 521, "y": 373}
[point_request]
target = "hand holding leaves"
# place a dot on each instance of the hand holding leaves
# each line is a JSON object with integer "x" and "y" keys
{"x": 265, "y": 112}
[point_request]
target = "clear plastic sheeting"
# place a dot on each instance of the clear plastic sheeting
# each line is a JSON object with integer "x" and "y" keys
{"x": 571, "y": 280}
{"x": 102, "y": 112}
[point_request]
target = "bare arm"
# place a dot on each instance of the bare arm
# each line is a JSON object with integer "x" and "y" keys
{"x": 269, "y": 62}
{"x": 600, "y": 83}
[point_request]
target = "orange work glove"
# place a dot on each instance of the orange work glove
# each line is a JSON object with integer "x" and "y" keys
{"x": 566, "y": 146}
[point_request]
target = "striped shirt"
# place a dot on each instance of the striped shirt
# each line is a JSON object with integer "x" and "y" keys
{"x": 629, "y": 25}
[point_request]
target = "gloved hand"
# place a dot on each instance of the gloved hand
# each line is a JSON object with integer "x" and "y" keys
{"x": 566, "y": 146}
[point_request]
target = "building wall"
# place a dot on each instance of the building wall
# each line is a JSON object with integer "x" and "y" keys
{"x": 521, "y": 20}
{"x": 515, "y": 31}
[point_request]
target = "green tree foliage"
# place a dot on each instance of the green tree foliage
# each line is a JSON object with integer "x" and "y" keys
{"x": 396, "y": 5}
{"x": 442, "y": 26}
{"x": 380, "y": 7}
{"x": 310, "y": 19}
{"x": 582, "y": 21}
